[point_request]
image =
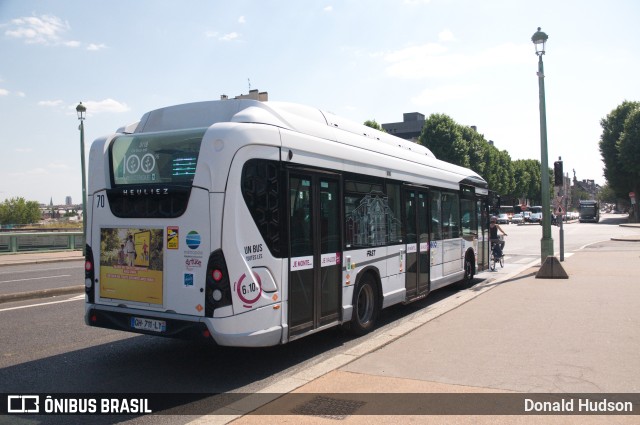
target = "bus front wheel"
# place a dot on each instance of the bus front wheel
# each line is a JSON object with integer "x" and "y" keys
{"x": 365, "y": 306}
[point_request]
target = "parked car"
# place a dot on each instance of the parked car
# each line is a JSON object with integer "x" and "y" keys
{"x": 536, "y": 218}
{"x": 503, "y": 219}
{"x": 526, "y": 216}
{"x": 517, "y": 219}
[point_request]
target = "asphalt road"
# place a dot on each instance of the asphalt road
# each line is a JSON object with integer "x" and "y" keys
{"x": 47, "y": 348}
{"x": 32, "y": 277}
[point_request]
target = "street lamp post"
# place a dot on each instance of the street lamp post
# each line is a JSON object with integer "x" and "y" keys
{"x": 81, "y": 110}
{"x": 546, "y": 243}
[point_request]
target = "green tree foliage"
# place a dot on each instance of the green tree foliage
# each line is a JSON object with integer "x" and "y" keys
{"x": 464, "y": 146}
{"x": 629, "y": 146}
{"x": 620, "y": 149}
{"x": 374, "y": 124}
{"x": 19, "y": 211}
{"x": 527, "y": 175}
{"x": 612, "y": 129}
{"x": 443, "y": 136}
{"x": 606, "y": 194}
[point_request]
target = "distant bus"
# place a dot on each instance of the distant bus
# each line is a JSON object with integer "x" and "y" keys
{"x": 256, "y": 223}
{"x": 535, "y": 209}
{"x": 508, "y": 210}
{"x": 589, "y": 211}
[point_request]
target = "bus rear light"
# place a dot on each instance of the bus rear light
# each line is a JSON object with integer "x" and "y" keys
{"x": 89, "y": 275}
{"x": 94, "y": 318}
{"x": 216, "y": 295}
{"x": 217, "y": 275}
{"x": 218, "y": 287}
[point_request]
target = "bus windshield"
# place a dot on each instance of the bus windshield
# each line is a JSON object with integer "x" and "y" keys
{"x": 167, "y": 157}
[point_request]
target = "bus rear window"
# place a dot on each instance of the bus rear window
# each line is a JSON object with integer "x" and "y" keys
{"x": 167, "y": 157}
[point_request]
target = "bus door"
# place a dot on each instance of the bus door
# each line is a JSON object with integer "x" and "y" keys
{"x": 484, "y": 248}
{"x": 417, "y": 239}
{"x": 315, "y": 254}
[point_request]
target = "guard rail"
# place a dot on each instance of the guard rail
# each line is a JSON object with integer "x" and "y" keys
{"x": 40, "y": 241}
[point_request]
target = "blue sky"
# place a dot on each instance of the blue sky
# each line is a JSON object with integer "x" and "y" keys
{"x": 376, "y": 59}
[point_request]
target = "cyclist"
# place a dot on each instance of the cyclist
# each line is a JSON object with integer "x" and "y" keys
{"x": 495, "y": 239}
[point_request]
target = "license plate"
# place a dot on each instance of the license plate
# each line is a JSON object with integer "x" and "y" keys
{"x": 148, "y": 324}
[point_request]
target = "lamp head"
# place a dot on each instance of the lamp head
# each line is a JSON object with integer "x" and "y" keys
{"x": 539, "y": 39}
{"x": 81, "y": 110}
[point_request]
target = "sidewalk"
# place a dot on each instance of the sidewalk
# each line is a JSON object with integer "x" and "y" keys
{"x": 524, "y": 335}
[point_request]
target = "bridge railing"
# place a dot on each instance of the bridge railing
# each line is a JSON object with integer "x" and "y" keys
{"x": 40, "y": 241}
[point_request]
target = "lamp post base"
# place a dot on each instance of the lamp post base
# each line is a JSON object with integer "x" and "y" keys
{"x": 551, "y": 268}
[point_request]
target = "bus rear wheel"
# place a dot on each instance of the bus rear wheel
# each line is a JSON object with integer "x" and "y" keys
{"x": 365, "y": 306}
{"x": 469, "y": 269}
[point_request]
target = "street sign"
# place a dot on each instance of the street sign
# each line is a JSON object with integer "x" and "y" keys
{"x": 558, "y": 209}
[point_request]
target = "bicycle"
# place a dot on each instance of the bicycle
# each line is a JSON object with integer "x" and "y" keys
{"x": 497, "y": 256}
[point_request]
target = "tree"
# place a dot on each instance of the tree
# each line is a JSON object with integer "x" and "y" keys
{"x": 19, "y": 211}
{"x": 620, "y": 149}
{"x": 527, "y": 175}
{"x": 464, "y": 146}
{"x": 504, "y": 172}
{"x": 443, "y": 136}
{"x": 607, "y": 195}
{"x": 374, "y": 124}
{"x": 629, "y": 147}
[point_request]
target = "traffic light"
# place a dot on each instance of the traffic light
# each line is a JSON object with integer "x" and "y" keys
{"x": 557, "y": 173}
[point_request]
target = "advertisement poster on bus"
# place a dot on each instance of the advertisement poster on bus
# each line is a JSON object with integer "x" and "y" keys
{"x": 131, "y": 264}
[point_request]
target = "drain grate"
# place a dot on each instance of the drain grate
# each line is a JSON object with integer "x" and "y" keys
{"x": 330, "y": 408}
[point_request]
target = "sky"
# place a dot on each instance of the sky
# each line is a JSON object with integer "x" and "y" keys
{"x": 364, "y": 60}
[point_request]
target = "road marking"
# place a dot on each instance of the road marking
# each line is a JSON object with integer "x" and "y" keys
{"x": 34, "y": 278}
{"x": 76, "y": 298}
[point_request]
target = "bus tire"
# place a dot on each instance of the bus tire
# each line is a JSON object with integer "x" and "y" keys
{"x": 469, "y": 270}
{"x": 365, "y": 306}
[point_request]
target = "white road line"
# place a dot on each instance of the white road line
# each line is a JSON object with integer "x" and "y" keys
{"x": 34, "y": 278}
{"x": 76, "y": 298}
{"x": 38, "y": 270}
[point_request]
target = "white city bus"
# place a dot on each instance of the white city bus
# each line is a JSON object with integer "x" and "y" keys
{"x": 255, "y": 223}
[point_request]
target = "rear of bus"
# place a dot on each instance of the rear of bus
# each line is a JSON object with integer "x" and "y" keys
{"x": 155, "y": 263}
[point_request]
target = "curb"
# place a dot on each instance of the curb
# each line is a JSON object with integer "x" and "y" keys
{"x": 43, "y": 293}
{"x": 40, "y": 261}
{"x": 627, "y": 238}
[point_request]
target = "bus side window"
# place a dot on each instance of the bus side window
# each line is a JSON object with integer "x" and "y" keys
{"x": 436, "y": 216}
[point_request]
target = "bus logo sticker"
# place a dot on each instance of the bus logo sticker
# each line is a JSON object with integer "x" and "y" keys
{"x": 193, "y": 239}
{"x": 249, "y": 292}
{"x": 188, "y": 279}
{"x": 173, "y": 237}
{"x": 191, "y": 263}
